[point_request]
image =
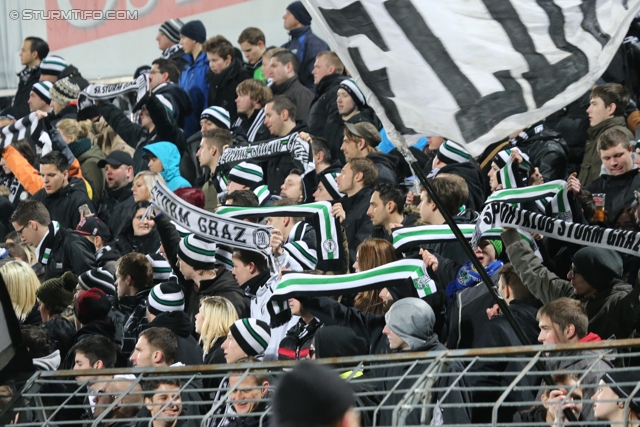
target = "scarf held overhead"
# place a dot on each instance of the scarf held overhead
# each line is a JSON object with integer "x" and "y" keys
{"x": 299, "y": 149}
{"x": 389, "y": 275}
{"x": 503, "y": 215}
{"x": 216, "y": 228}
{"x": 329, "y": 239}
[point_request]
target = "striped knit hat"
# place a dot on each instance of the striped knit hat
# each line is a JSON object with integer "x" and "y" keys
{"x": 450, "y": 152}
{"x": 98, "y": 278}
{"x": 171, "y": 29}
{"x": 352, "y": 89}
{"x": 167, "y": 296}
{"x": 331, "y": 185}
{"x": 42, "y": 90}
{"x": 252, "y": 335}
{"x": 218, "y": 116}
{"x": 161, "y": 269}
{"x": 198, "y": 253}
{"x": 53, "y": 65}
{"x": 247, "y": 174}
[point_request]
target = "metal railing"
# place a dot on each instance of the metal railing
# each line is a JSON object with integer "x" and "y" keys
{"x": 486, "y": 387}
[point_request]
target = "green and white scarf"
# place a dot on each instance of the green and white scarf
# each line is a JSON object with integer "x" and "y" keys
{"x": 389, "y": 275}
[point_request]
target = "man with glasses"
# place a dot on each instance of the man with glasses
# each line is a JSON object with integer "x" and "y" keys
{"x": 595, "y": 279}
{"x": 58, "y": 249}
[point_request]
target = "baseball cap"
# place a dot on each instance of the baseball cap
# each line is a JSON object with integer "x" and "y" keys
{"x": 366, "y": 131}
{"x": 92, "y": 226}
{"x": 116, "y": 158}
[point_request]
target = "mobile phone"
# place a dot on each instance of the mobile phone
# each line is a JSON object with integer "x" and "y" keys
{"x": 84, "y": 210}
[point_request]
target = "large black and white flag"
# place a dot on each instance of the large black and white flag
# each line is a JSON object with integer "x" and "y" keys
{"x": 473, "y": 71}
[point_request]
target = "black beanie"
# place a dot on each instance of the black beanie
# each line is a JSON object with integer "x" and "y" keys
{"x": 616, "y": 379}
{"x": 599, "y": 267}
{"x": 299, "y": 12}
{"x": 195, "y": 31}
{"x": 311, "y": 394}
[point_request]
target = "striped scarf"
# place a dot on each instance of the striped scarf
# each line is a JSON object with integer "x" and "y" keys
{"x": 328, "y": 238}
{"x": 394, "y": 274}
{"x": 552, "y": 195}
{"x": 21, "y": 129}
{"x": 299, "y": 149}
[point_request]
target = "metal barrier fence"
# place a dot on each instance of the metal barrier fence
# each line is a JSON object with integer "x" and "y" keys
{"x": 484, "y": 387}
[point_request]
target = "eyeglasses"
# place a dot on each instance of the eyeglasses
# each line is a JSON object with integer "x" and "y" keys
{"x": 574, "y": 271}
{"x": 22, "y": 229}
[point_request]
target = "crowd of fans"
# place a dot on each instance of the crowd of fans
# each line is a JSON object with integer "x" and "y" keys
{"x": 98, "y": 279}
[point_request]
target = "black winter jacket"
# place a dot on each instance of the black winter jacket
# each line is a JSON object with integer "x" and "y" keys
{"x": 134, "y": 309}
{"x": 324, "y": 104}
{"x": 300, "y": 95}
{"x": 137, "y": 136}
{"x": 68, "y": 112}
{"x": 475, "y": 179}
{"x": 224, "y": 285}
{"x": 28, "y": 77}
{"x": 497, "y": 332}
{"x": 222, "y": 87}
{"x": 70, "y": 251}
{"x": 148, "y": 244}
{"x": 548, "y": 151}
{"x": 366, "y": 325}
{"x": 278, "y": 168}
{"x": 63, "y": 204}
{"x": 385, "y": 164}
{"x": 619, "y": 190}
{"x": 357, "y": 223}
{"x": 61, "y": 331}
{"x": 115, "y": 208}
{"x": 178, "y": 98}
{"x": 178, "y": 322}
{"x": 333, "y": 131}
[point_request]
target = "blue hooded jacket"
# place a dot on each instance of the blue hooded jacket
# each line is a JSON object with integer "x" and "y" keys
{"x": 169, "y": 155}
{"x": 193, "y": 80}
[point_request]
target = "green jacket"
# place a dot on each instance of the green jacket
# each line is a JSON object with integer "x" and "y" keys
{"x": 591, "y": 163}
{"x": 91, "y": 172}
{"x": 613, "y": 311}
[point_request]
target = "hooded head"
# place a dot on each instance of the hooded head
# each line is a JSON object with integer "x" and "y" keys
{"x": 338, "y": 341}
{"x": 412, "y": 320}
{"x": 169, "y": 155}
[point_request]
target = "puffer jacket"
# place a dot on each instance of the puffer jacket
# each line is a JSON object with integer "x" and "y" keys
{"x": 63, "y": 204}
{"x": 295, "y": 345}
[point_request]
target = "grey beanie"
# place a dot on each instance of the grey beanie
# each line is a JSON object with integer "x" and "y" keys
{"x": 411, "y": 319}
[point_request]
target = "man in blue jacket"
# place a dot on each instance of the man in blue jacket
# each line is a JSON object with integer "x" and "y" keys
{"x": 193, "y": 80}
{"x": 303, "y": 43}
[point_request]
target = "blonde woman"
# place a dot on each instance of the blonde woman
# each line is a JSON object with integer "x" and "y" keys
{"x": 22, "y": 283}
{"x": 78, "y": 136}
{"x": 32, "y": 260}
{"x": 143, "y": 182}
{"x": 213, "y": 320}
